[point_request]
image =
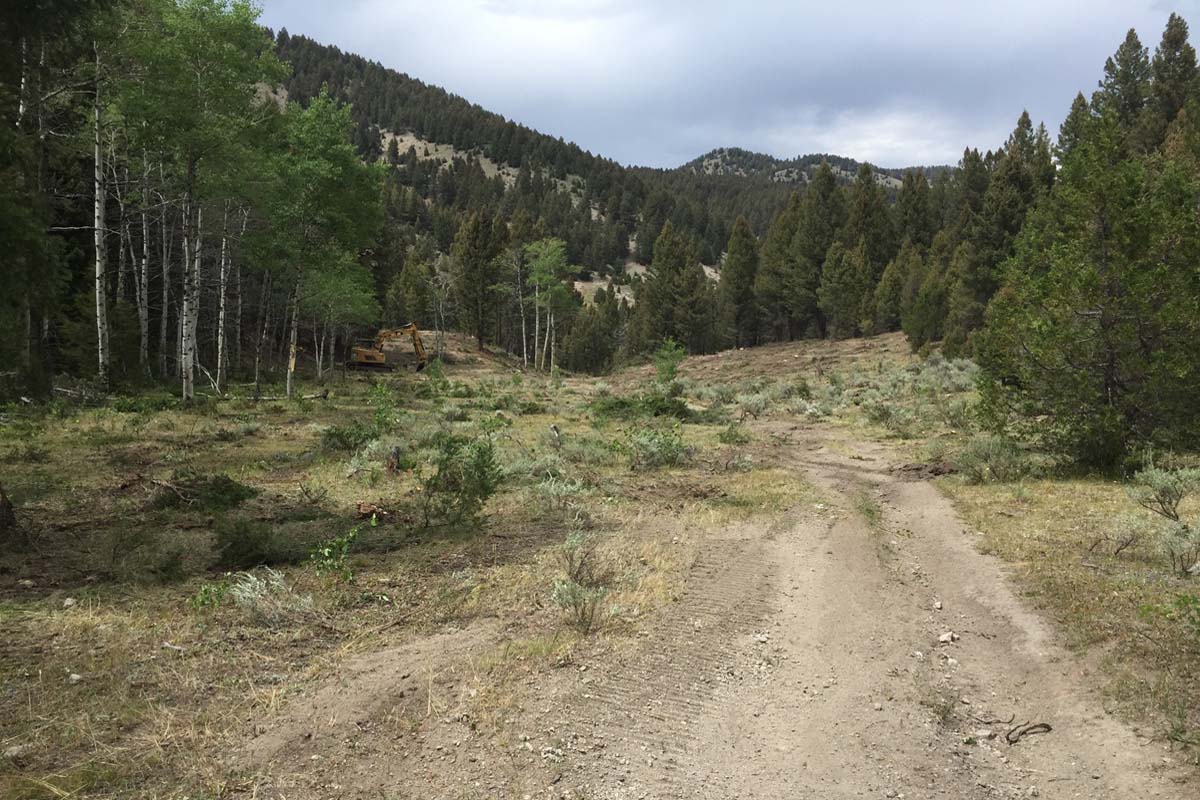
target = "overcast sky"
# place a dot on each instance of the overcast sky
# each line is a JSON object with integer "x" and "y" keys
{"x": 658, "y": 82}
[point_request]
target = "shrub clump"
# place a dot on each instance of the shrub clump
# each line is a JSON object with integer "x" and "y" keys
{"x": 993, "y": 459}
{"x": 582, "y": 589}
{"x": 1162, "y": 491}
{"x": 650, "y": 448}
{"x": 268, "y": 598}
{"x": 347, "y": 438}
{"x": 205, "y": 492}
{"x": 465, "y": 474}
{"x": 244, "y": 543}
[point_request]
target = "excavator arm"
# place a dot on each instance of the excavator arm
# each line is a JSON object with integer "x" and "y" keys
{"x": 373, "y": 357}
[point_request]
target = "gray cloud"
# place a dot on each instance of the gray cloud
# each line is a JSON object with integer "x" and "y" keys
{"x": 658, "y": 83}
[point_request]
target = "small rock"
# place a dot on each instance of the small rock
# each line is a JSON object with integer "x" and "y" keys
{"x": 948, "y": 637}
{"x": 890, "y": 793}
{"x": 762, "y": 638}
{"x": 69, "y": 602}
{"x": 74, "y": 678}
{"x": 17, "y": 753}
{"x": 937, "y": 605}
{"x": 25, "y": 583}
{"x": 984, "y": 733}
{"x": 878, "y": 706}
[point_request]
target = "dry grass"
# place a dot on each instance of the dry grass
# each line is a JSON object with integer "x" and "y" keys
{"x": 172, "y": 673}
{"x": 1062, "y": 535}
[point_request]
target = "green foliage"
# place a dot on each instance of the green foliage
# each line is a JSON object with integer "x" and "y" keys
{"x": 203, "y": 492}
{"x": 1184, "y": 611}
{"x": 1092, "y": 340}
{"x": 733, "y": 433}
{"x": 582, "y": 603}
{"x": 846, "y": 284}
{"x": 331, "y": 557}
{"x": 652, "y": 448}
{"x": 347, "y": 438}
{"x": 465, "y": 474}
{"x": 667, "y": 359}
{"x": 210, "y": 595}
{"x": 993, "y": 459}
{"x": 243, "y": 543}
{"x": 1162, "y": 491}
{"x": 738, "y": 272}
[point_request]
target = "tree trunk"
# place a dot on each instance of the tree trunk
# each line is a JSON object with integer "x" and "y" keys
{"x": 524, "y": 331}
{"x": 537, "y": 324}
{"x": 222, "y": 291}
{"x": 265, "y": 318}
{"x": 143, "y": 293}
{"x": 236, "y": 362}
{"x": 546, "y": 344}
{"x": 102, "y": 355}
{"x": 190, "y": 312}
{"x": 291, "y": 368}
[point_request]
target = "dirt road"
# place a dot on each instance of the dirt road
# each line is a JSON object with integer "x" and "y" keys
{"x": 859, "y": 648}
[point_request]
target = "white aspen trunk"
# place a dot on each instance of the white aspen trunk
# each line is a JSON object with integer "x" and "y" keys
{"x": 537, "y": 324}
{"x": 546, "y": 344}
{"x": 102, "y": 354}
{"x": 317, "y": 349}
{"x": 143, "y": 292}
{"x": 185, "y": 308}
{"x": 553, "y": 340}
{"x": 524, "y": 332}
{"x": 164, "y": 321}
{"x": 21, "y": 102}
{"x": 265, "y": 315}
{"x": 291, "y": 368}
{"x": 236, "y": 364}
{"x": 222, "y": 290}
{"x": 122, "y": 226}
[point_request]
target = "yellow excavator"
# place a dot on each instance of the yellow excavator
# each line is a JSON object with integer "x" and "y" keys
{"x": 369, "y": 354}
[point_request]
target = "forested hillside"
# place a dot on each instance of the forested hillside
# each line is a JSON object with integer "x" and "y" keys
{"x": 187, "y": 196}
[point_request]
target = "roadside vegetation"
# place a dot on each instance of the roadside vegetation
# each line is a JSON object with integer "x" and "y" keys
{"x": 244, "y": 547}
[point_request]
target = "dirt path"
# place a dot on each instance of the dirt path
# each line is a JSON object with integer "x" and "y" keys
{"x": 861, "y": 647}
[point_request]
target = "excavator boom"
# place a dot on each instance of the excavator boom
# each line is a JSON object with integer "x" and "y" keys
{"x": 373, "y": 356}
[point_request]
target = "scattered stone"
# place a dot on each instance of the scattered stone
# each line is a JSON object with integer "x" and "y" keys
{"x": 762, "y": 638}
{"x": 937, "y": 605}
{"x": 879, "y": 706}
{"x": 25, "y": 583}
{"x": 984, "y": 733}
{"x": 74, "y": 678}
{"x": 948, "y": 637}
{"x": 17, "y": 753}
{"x": 69, "y": 602}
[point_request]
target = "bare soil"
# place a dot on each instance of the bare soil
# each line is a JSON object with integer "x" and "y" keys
{"x": 858, "y": 646}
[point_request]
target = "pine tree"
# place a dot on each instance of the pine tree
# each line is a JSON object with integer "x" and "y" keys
{"x": 869, "y": 222}
{"x": 889, "y": 298}
{"x": 1125, "y": 87}
{"x": 822, "y": 216}
{"x": 1092, "y": 340}
{"x": 914, "y": 215}
{"x": 1175, "y": 80}
{"x": 1072, "y": 127}
{"x": 777, "y": 271}
{"x": 923, "y": 303}
{"x": 738, "y": 272}
{"x": 475, "y": 275}
{"x": 847, "y": 279}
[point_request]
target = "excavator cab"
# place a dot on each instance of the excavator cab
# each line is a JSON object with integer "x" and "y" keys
{"x": 369, "y": 353}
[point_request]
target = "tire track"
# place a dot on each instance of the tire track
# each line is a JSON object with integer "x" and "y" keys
{"x": 647, "y": 710}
